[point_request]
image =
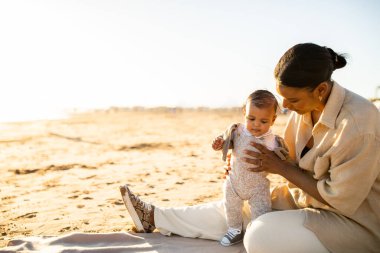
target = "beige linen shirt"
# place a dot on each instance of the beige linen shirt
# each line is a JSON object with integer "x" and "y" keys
{"x": 345, "y": 159}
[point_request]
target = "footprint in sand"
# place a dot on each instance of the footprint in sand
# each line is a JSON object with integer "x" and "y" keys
{"x": 64, "y": 229}
{"x": 117, "y": 202}
{"x": 8, "y": 197}
{"x": 27, "y": 215}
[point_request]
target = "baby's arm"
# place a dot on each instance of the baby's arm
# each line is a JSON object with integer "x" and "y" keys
{"x": 217, "y": 143}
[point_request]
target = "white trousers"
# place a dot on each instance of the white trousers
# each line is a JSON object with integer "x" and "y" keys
{"x": 279, "y": 231}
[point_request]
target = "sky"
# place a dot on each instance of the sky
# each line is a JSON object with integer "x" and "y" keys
{"x": 57, "y": 56}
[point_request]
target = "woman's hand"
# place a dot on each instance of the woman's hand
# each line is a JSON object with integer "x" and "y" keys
{"x": 264, "y": 160}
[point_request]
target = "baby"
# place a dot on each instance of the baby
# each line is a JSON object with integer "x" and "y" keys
{"x": 241, "y": 184}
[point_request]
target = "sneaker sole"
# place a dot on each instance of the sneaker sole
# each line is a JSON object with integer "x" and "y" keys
{"x": 132, "y": 212}
{"x": 230, "y": 244}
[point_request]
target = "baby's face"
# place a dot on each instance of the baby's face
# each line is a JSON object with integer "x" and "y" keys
{"x": 259, "y": 120}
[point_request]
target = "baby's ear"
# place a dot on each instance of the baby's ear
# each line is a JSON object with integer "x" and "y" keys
{"x": 274, "y": 119}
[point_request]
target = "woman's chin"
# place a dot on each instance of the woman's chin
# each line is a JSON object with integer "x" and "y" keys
{"x": 299, "y": 112}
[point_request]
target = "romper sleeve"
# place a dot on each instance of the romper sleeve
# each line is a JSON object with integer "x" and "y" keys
{"x": 281, "y": 150}
{"x": 354, "y": 168}
{"x": 228, "y": 138}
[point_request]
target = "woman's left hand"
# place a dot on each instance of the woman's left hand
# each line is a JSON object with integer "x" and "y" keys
{"x": 264, "y": 160}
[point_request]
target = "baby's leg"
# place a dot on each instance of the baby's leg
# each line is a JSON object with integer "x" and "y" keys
{"x": 233, "y": 206}
{"x": 260, "y": 202}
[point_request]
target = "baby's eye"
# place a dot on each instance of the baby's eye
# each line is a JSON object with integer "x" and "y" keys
{"x": 264, "y": 121}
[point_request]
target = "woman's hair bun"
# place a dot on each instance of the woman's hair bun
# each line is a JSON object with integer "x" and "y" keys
{"x": 338, "y": 60}
{"x": 306, "y": 65}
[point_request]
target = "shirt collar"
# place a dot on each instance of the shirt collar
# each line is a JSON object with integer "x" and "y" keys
{"x": 333, "y": 106}
{"x": 261, "y": 137}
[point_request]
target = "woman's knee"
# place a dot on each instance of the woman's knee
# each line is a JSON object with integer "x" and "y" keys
{"x": 281, "y": 231}
{"x": 259, "y": 234}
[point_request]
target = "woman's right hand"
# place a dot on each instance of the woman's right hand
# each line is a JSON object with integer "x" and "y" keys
{"x": 227, "y": 166}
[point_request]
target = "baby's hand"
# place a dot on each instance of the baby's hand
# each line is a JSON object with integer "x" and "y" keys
{"x": 217, "y": 144}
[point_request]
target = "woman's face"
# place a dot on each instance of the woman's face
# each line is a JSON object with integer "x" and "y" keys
{"x": 300, "y": 100}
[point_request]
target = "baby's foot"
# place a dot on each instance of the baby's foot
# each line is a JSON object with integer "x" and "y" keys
{"x": 232, "y": 237}
{"x": 141, "y": 213}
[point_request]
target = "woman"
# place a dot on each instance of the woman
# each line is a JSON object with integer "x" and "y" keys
{"x": 332, "y": 201}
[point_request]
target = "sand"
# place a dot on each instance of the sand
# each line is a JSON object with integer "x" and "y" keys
{"x": 61, "y": 176}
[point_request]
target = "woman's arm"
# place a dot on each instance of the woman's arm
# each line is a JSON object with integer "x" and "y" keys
{"x": 268, "y": 161}
{"x": 302, "y": 180}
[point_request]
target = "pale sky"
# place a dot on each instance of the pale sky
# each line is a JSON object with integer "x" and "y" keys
{"x": 60, "y": 55}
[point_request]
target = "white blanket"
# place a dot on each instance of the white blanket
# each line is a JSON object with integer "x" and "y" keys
{"x": 118, "y": 242}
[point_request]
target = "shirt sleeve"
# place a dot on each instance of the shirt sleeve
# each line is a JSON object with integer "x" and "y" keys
{"x": 353, "y": 170}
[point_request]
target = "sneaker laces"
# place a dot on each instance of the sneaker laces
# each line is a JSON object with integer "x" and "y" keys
{"x": 144, "y": 210}
{"x": 141, "y": 204}
{"x": 232, "y": 232}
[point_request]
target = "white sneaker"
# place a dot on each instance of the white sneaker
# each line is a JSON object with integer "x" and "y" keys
{"x": 232, "y": 237}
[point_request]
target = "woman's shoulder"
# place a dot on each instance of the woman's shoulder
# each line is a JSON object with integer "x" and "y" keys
{"x": 359, "y": 113}
{"x": 359, "y": 104}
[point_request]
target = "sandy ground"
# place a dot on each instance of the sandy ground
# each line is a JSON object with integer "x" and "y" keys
{"x": 64, "y": 175}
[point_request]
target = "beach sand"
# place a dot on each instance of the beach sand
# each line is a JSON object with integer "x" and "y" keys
{"x": 61, "y": 176}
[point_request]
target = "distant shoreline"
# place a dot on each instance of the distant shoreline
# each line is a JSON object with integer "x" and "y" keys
{"x": 167, "y": 109}
{"x": 67, "y": 113}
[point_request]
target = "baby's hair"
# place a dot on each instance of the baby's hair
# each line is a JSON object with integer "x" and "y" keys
{"x": 262, "y": 99}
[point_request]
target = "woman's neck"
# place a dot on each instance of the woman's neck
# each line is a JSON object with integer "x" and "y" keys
{"x": 316, "y": 114}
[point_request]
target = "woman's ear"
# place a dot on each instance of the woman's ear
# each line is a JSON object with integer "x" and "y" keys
{"x": 321, "y": 90}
